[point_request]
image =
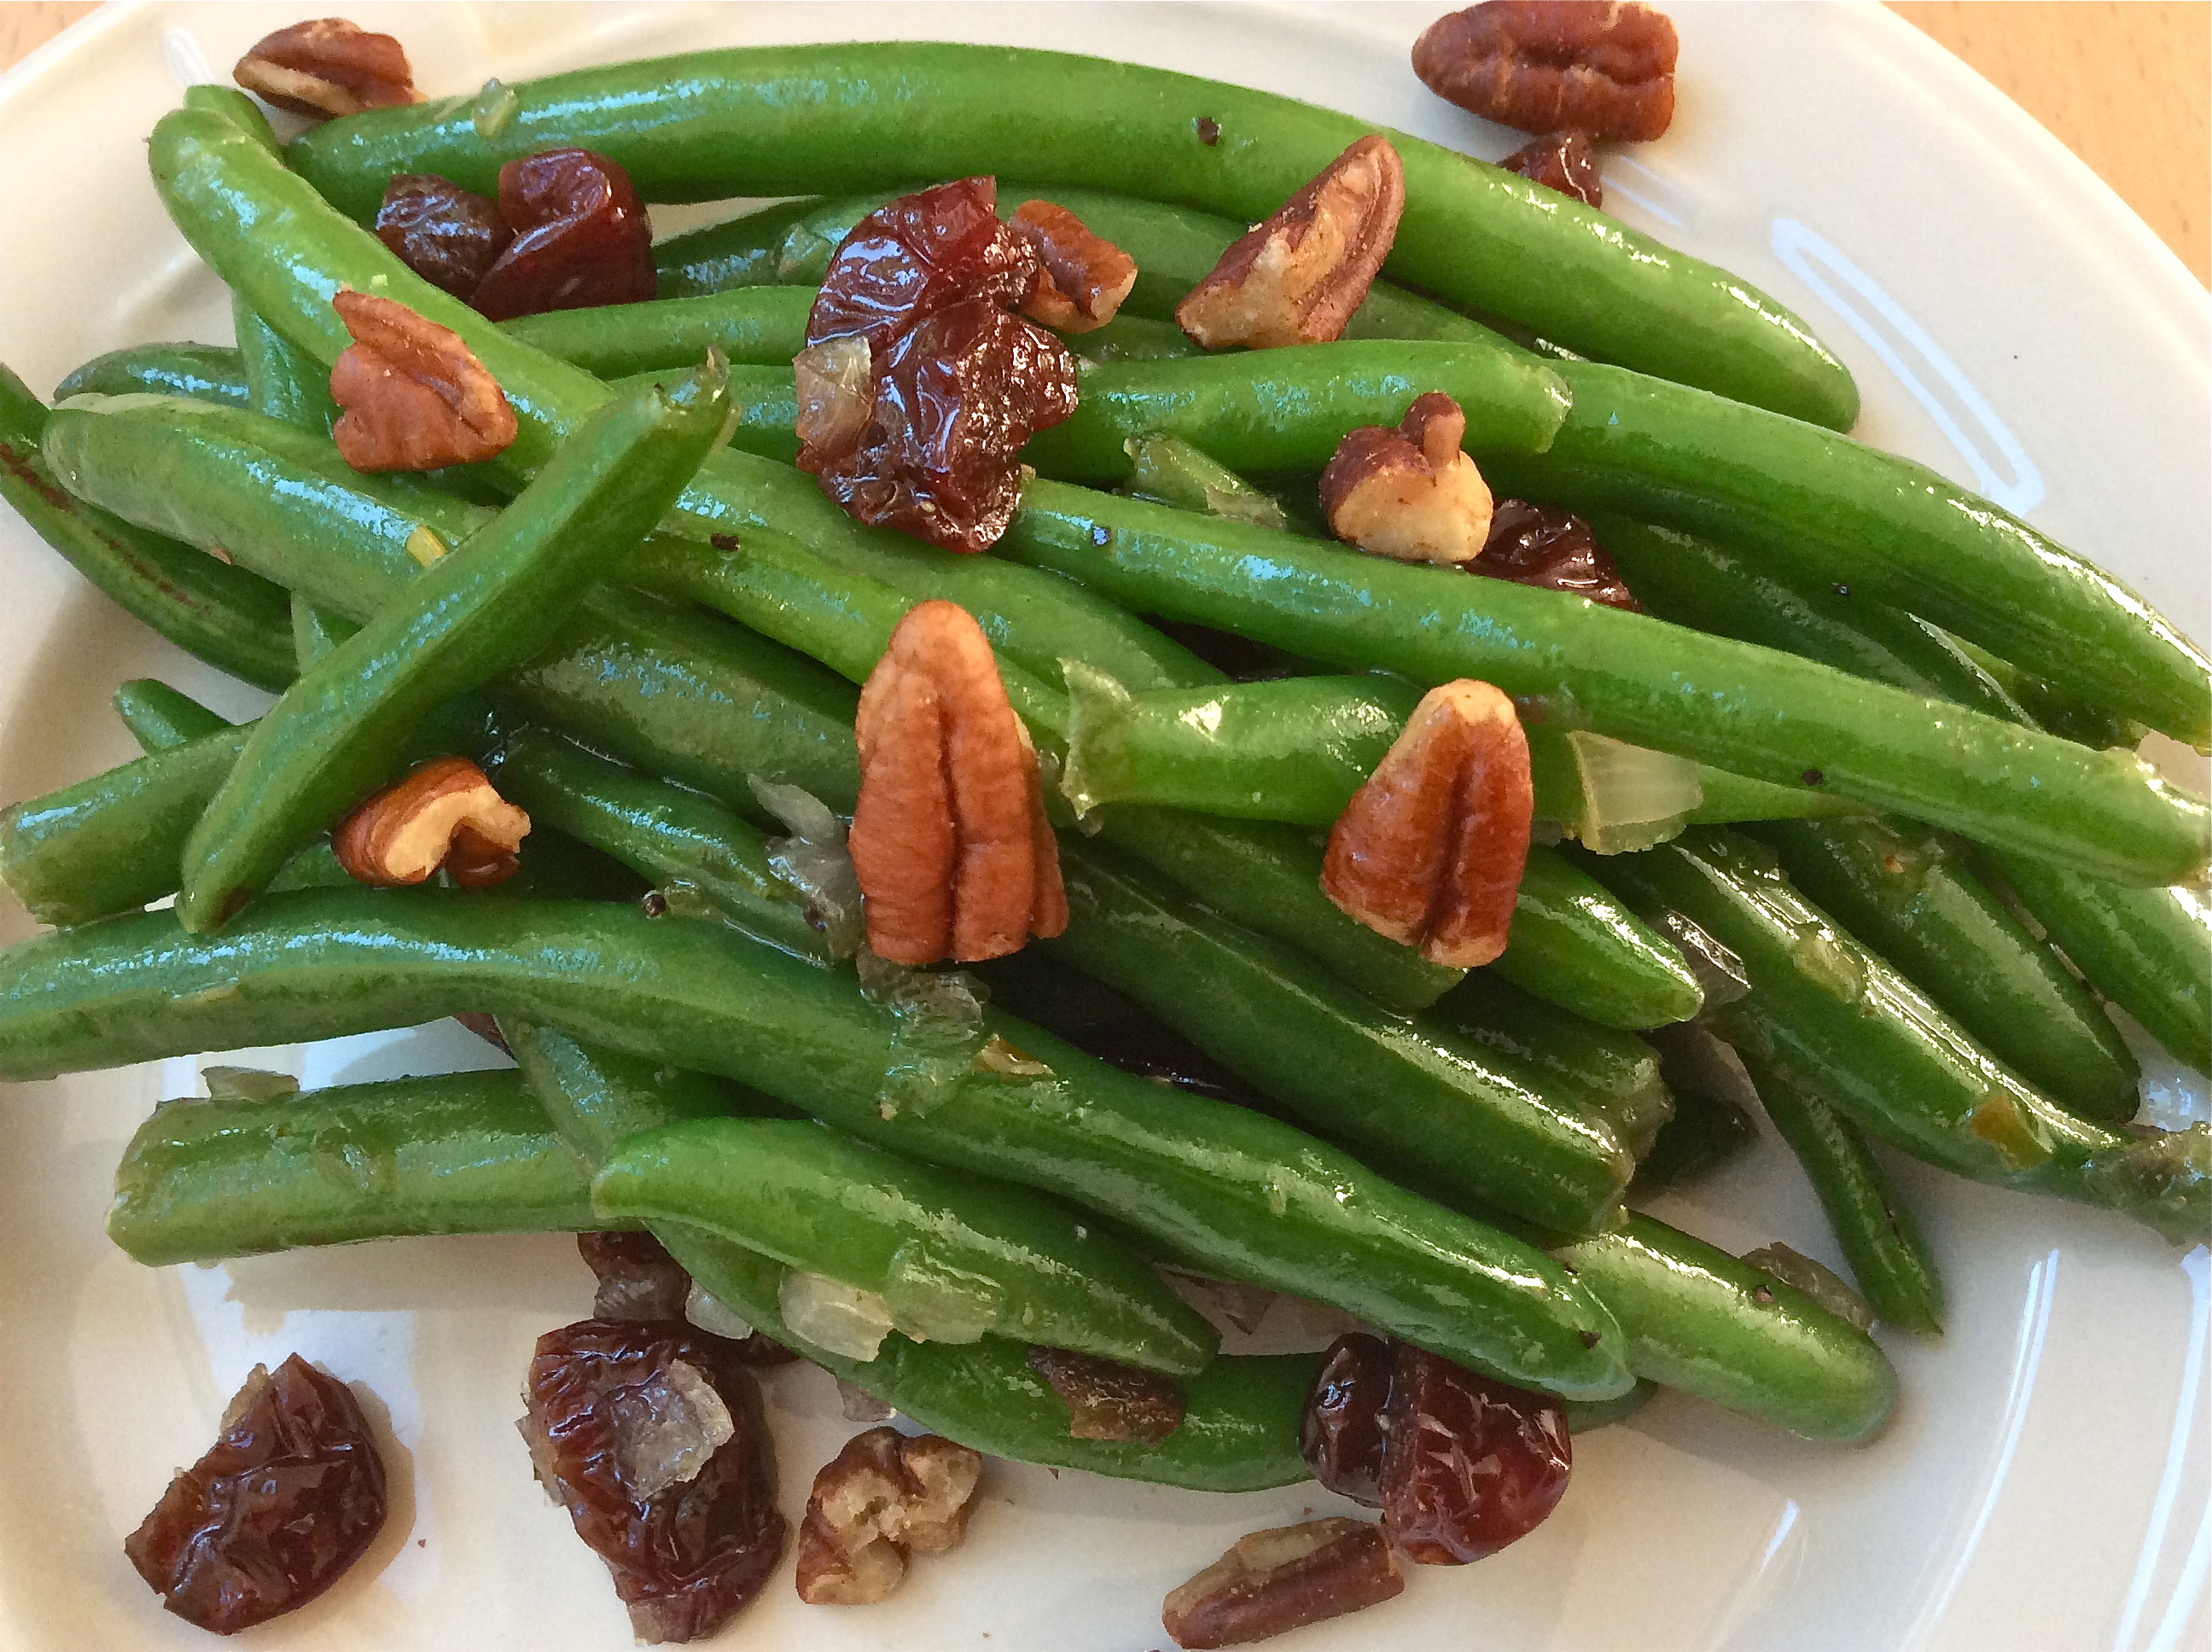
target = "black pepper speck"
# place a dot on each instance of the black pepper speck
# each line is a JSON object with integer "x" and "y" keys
{"x": 1813, "y": 777}
{"x": 1209, "y": 131}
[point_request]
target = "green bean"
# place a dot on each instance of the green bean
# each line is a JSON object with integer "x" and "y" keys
{"x": 1905, "y": 892}
{"x": 2057, "y": 710}
{"x": 160, "y": 717}
{"x": 764, "y": 402}
{"x": 224, "y": 615}
{"x": 1836, "y": 511}
{"x": 764, "y": 326}
{"x": 769, "y": 245}
{"x": 338, "y": 730}
{"x": 1228, "y": 1190}
{"x": 771, "y": 119}
{"x": 1886, "y": 1058}
{"x": 464, "y": 1153}
{"x": 1573, "y": 944}
{"x": 1889, "y": 1259}
{"x": 953, "y": 1257}
{"x": 1240, "y": 1424}
{"x": 1709, "y": 1126}
{"x": 238, "y": 108}
{"x": 207, "y": 372}
{"x": 282, "y": 381}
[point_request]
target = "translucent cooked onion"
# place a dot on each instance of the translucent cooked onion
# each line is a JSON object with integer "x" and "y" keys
{"x": 1615, "y": 797}
{"x": 667, "y": 1429}
{"x": 814, "y": 861}
{"x": 713, "y": 1316}
{"x": 842, "y": 1319}
{"x": 835, "y": 381}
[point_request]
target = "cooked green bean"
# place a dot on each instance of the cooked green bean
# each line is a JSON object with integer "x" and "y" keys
{"x": 160, "y": 717}
{"x": 206, "y": 373}
{"x": 282, "y": 381}
{"x": 762, "y": 327}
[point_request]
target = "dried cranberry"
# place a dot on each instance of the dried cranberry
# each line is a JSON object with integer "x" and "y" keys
{"x": 638, "y": 1278}
{"x": 581, "y": 238}
{"x": 919, "y": 254}
{"x": 448, "y": 235}
{"x": 1345, "y": 1428}
{"x": 1108, "y": 1401}
{"x": 1562, "y": 161}
{"x": 619, "y": 1428}
{"x": 287, "y": 1498}
{"x": 1539, "y": 545}
{"x": 956, "y": 398}
{"x": 1471, "y": 1464}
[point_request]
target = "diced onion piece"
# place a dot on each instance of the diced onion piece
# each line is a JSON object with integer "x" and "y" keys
{"x": 713, "y": 1316}
{"x": 667, "y": 1429}
{"x": 842, "y": 1319}
{"x": 1630, "y": 798}
{"x": 835, "y": 381}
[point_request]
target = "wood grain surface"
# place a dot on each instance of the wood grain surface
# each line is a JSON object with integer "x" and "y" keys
{"x": 2125, "y": 84}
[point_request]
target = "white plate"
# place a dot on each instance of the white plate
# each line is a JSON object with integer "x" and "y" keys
{"x": 2045, "y": 1483}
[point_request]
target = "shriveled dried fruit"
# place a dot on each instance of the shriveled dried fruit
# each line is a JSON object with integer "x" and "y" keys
{"x": 1410, "y": 492}
{"x": 328, "y": 66}
{"x": 448, "y": 235}
{"x": 290, "y": 1494}
{"x": 1296, "y": 278}
{"x": 1429, "y": 851}
{"x": 442, "y": 814}
{"x": 581, "y": 238}
{"x": 1472, "y": 1465}
{"x": 1081, "y": 277}
{"x": 416, "y": 397}
{"x": 950, "y": 840}
{"x": 1554, "y": 550}
{"x": 650, "y": 1434}
{"x": 638, "y": 1278}
{"x": 1109, "y": 1400}
{"x": 1345, "y": 1426}
{"x": 885, "y": 1496}
{"x": 917, "y": 255}
{"x": 1274, "y": 1581}
{"x": 1603, "y": 67}
{"x": 1563, "y": 162}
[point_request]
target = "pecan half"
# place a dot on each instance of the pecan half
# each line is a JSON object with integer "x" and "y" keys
{"x": 1603, "y": 67}
{"x": 1429, "y": 851}
{"x": 328, "y": 66}
{"x": 949, "y": 840}
{"x": 1563, "y": 162}
{"x": 1081, "y": 278}
{"x": 416, "y": 397}
{"x": 1410, "y": 492}
{"x": 1107, "y": 1400}
{"x": 1273, "y": 1581}
{"x": 445, "y": 813}
{"x": 1296, "y": 278}
{"x": 883, "y": 1498}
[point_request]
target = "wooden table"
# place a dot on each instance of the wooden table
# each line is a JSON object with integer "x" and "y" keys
{"x": 2125, "y": 84}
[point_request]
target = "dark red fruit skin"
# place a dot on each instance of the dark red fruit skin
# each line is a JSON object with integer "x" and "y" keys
{"x": 1562, "y": 161}
{"x": 289, "y": 1497}
{"x": 581, "y": 238}
{"x": 449, "y": 236}
{"x": 1539, "y": 545}
{"x": 956, "y": 397}
{"x": 689, "y": 1559}
{"x": 1472, "y": 1464}
{"x": 1344, "y": 1431}
{"x": 919, "y": 254}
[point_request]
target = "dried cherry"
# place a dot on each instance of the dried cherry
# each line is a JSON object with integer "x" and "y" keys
{"x": 919, "y": 254}
{"x": 620, "y": 1419}
{"x": 638, "y": 1278}
{"x": 1563, "y": 162}
{"x": 289, "y": 1496}
{"x": 1471, "y": 1464}
{"x": 581, "y": 238}
{"x": 1345, "y": 1428}
{"x": 1109, "y": 1400}
{"x": 1543, "y": 546}
{"x": 448, "y": 235}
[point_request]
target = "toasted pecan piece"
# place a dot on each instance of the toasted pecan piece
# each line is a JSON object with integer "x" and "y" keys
{"x": 1279, "y": 1580}
{"x": 950, "y": 840}
{"x": 1429, "y": 851}
{"x": 327, "y": 66}
{"x": 1410, "y": 492}
{"x": 883, "y": 1498}
{"x": 1081, "y": 277}
{"x": 1296, "y": 278}
{"x": 444, "y": 813}
{"x": 1601, "y": 67}
{"x": 416, "y": 397}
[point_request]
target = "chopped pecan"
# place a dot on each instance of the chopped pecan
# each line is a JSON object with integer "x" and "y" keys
{"x": 885, "y": 1496}
{"x": 1273, "y": 1581}
{"x": 1409, "y": 493}
{"x": 1081, "y": 278}
{"x": 1429, "y": 851}
{"x": 448, "y": 235}
{"x": 950, "y": 840}
{"x": 416, "y": 397}
{"x": 581, "y": 238}
{"x": 1296, "y": 278}
{"x": 1603, "y": 67}
{"x": 1109, "y": 1400}
{"x": 328, "y": 66}
{"x": 1553, "y": 549}
{"x": 444, "y": 813}
{"x": 1562, "y": 161}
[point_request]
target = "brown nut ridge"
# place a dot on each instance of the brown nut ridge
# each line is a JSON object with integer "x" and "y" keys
{"x": 1279, "y": 1580}
{"x": 328, "y": 66}
{"x": 1296, "y": 278}
{"x": 444, "y": 813}
{"x": 1429, "y": 851}
{"x": 416, "y": 397}
{"x": 883, "y": 1498}
{"x": 1081, "y": 277}
{"x": 1107, "y": 1400}
{"x": 950, "y": 842}
{"x": 1409, "y": 494}
{"x": 1563, "y": 162}
{"x": 1601, "y": 67}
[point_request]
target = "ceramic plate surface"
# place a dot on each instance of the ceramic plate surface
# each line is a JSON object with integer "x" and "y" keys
{"x": 2044, "y": 1485}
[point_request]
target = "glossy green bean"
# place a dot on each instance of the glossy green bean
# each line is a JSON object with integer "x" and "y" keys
{"x": 464, "y": 1153}
{"x": 1572, "y": 944}
{"x": 763, "y": 326}
{"x": 206, "y": 373}
{"x": 1890, "y": 1261}
{"x": 766, "y": 120}
{"x": 954, "y": 1258}
{"x": 764, "y": 402}
{"x": 160, "y": 717}
{"x": 282, "y": 381}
